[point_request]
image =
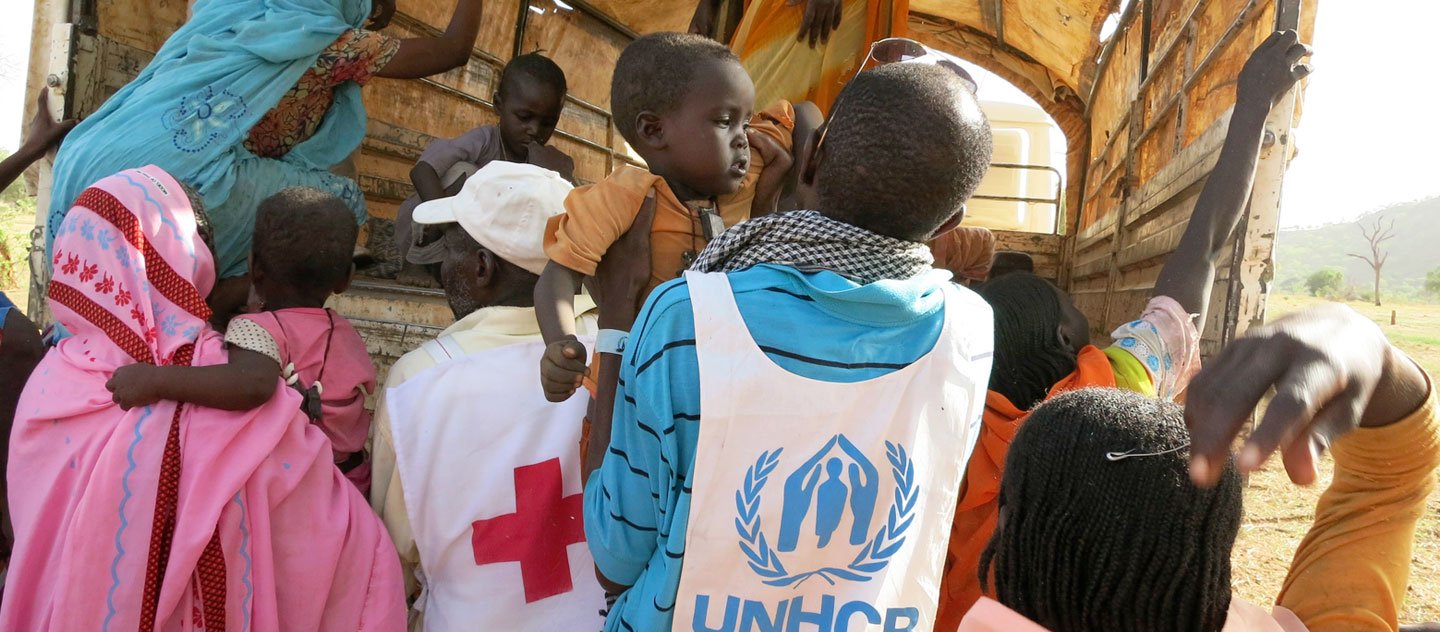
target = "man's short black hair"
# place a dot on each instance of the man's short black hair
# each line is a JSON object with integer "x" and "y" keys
{"x": 654, "y": 74}
{"x": 906, "y": 146}
{"x": 305, "y": 238}
{"x": 535, "y": 66}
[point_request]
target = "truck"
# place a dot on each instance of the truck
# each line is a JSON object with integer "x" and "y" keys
{"x": 1141, "y": 90}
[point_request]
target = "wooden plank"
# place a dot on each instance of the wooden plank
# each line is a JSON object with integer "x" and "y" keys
{"x": 1249, "y": 289}
{"x": 577, "y": 41}
{"x": 1043, "y": 249}
{"x": 145, "y": 26}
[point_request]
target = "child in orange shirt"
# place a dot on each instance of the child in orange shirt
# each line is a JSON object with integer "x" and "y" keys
{"x": 685, "y": 104}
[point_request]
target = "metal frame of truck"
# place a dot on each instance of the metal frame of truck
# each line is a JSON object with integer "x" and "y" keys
{"x": 1144, "y": 113}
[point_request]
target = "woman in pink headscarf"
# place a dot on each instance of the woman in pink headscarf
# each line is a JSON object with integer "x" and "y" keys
{"x": 172, "y": 516}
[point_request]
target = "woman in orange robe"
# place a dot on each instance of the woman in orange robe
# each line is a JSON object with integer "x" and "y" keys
{"x": 807, "y": 50}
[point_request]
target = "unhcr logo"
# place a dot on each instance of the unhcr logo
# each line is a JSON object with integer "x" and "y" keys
{"x": 831, "y": 502}
{"x": 837, "y": 480}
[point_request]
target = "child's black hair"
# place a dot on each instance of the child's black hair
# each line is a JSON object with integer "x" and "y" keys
{"x": 906, "y": 146}
{"x": 535, "y": 66}
{"x": 1089, "y": 543}
{"x": 1029, "y": 358}
{"x": 305, "y": 239}
{"x": 654, "y": 74}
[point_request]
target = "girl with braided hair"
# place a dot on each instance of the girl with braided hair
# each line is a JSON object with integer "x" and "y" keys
{"x": 1042, "y": 341}
{"x": 1119, "y": 511}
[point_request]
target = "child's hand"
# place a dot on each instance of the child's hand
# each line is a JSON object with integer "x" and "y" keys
{"x": 770, "y": 151}
{"x": 551, "y": 158}
{"x": 561, "y": 368}
{"x": 820, "y": 19}
{"x": 46, "y": 132}
{"x": 771, "y": 184}
{"x": 1273, "y": 68}
{"x": 133, "y": 385}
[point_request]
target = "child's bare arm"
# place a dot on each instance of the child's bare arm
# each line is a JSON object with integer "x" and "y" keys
{"x": 563, "y": 364}
{"x": 1190, "y": 271}
{"x": 246, "y": 381}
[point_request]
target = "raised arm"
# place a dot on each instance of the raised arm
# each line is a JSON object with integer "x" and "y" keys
{"x": 247, "y": 381}
{"x": 1375, "y": 407}
{"x": 424, "y": 56}
{"x": 1189, "y": 273}
{"x": 45, "y": 132}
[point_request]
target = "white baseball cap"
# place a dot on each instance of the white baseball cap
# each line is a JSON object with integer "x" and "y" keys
{"x": 505, "y": 207}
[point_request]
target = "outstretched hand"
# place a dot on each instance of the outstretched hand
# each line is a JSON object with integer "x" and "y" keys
{"x": 1273, "y": 68}
{"x": 46, "y": 132}
{"x": 821, "y": 19}
{"x": 1332, "y": 370}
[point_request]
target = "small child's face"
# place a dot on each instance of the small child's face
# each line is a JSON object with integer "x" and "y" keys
{"x": 707, "y": 150}
{"x": 528, "y": 114}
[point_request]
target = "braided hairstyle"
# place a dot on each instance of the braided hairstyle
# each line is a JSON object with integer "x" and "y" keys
{"x": 1029, "y": 358}
{"x": 1090, "y": 544}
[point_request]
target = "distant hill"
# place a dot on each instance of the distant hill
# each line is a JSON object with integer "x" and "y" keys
{"x": 1414, "y": 250}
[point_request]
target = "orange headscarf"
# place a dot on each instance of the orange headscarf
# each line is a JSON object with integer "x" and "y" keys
{"x": 978, "y": 510}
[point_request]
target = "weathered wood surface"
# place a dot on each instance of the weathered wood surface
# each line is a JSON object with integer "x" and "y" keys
{"x": 1157, "y": 127}
{"x": 1044, "y": 249}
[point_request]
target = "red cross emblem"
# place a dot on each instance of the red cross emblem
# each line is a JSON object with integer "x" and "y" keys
{"x": 544, "y": 523}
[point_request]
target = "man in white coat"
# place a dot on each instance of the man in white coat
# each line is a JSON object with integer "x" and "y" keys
{"x": 477, "y": 476}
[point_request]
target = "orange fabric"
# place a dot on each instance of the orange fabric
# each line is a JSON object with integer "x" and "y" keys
{"x": 966, "y": 252}
{"x": 354, "y": 56}
{"x": 1352, "y": 570}
{"x": 597, "y": 215}
{"x": 786, "y": 68}
{"x": 978, "y": 510}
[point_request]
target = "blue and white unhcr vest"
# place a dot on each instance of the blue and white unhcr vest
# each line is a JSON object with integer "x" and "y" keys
{"x": 819, "y": 505}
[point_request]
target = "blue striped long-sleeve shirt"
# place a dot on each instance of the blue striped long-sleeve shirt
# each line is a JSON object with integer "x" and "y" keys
{"x": 818, "y": 325}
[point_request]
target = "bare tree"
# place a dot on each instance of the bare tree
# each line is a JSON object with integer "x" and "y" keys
{"x": 1375, "y": 236}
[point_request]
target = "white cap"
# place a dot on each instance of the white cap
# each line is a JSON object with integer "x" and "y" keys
{"x": 505, "y": 207}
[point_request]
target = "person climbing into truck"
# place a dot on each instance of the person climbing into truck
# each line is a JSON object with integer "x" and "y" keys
{"x": 250, "y": 97}
{"x": 1042, "y": 341}
{"x": 529, "y": 101}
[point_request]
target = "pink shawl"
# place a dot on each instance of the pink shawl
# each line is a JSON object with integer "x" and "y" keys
{"x": 172, "y": 517}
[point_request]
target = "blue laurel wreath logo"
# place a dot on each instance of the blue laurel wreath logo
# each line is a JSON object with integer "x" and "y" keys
{"x": 766, "y": 559}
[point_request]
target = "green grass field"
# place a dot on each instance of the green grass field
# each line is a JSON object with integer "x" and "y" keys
{"x": 1278, "y": 513}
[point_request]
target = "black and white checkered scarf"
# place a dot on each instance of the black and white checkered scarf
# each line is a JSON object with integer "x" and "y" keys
{"x": 810, "y": 241}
